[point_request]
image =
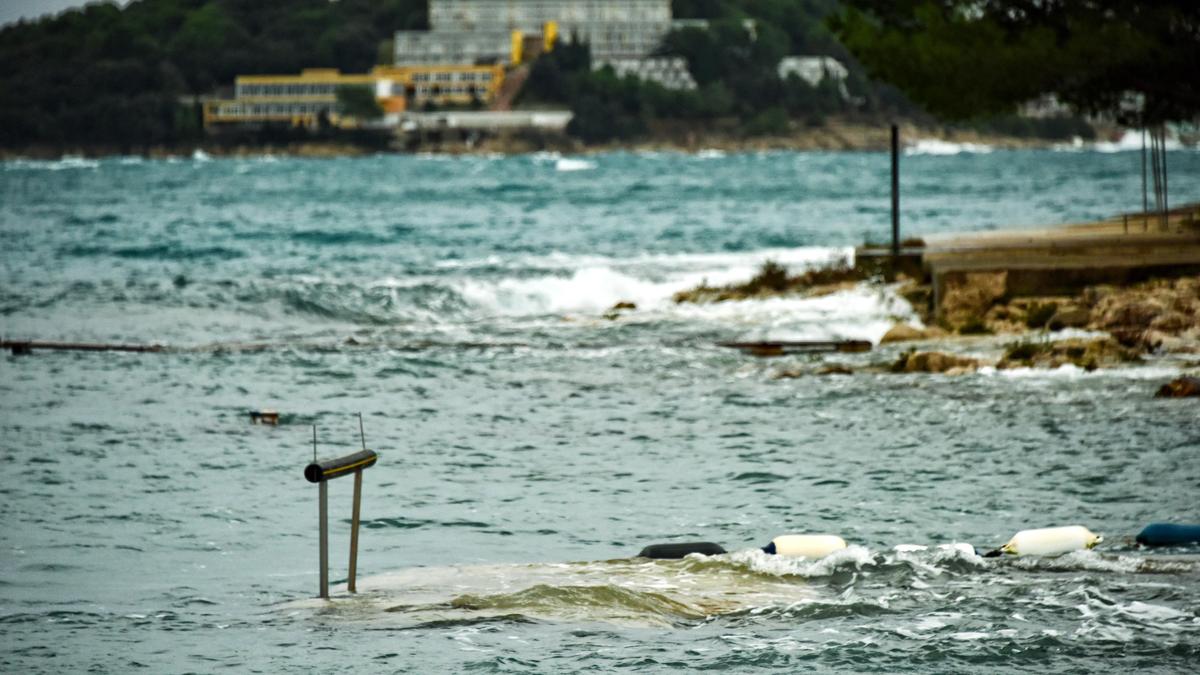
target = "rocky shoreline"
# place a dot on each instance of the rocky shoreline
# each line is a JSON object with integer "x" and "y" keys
{"x": 1102, "y": 326}
{"x": 832, "y": 135}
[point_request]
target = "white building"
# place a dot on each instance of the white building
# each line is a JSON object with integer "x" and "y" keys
{"x": 671, "y": 72}
{"x": 615, "y": 29}
{"x": 814, "y": 69}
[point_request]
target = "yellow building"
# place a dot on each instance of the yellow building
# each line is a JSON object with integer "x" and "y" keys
{"x": 301, "y": 100}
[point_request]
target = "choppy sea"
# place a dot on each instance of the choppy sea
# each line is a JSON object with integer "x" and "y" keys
{"x": 529, "y": 446}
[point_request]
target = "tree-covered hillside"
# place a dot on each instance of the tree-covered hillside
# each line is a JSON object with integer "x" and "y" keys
{"x": 1138, "y": 59}
{"x": 108, "y": 77}
{"x": 105, "y": 75}
{"x": 734, "y": 61}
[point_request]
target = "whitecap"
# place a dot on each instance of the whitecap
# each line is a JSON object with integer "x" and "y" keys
{"x": 1131, "y": 140}
{"x": 936, "y": 146}
{"x": 1082, "y": 560}
{"x": 779, "y": 565}
{"x": 573, "y": 164}
{"x": 590, "y": 290}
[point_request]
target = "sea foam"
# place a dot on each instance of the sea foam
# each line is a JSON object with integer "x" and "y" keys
{"x": 936, "y": 146}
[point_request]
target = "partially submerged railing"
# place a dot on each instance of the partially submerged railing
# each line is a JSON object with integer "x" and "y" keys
{"x": 321, "y": 473}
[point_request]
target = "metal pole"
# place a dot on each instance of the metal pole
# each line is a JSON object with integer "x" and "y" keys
{"x": 895, "y": 196}
{"x": 354, "y": 531}
{"x": 324, "y": 517}
{"x": 1167, "y": 208}
{"x": 1145, "y": 204}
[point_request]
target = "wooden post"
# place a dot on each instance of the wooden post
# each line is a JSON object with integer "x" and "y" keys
{"x": 354, "y": 531}
{"x": 895, "y": 197}
{"x": 324, "y": 527}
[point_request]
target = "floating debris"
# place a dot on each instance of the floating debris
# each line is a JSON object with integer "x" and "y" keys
{"x": 264, "y": 417}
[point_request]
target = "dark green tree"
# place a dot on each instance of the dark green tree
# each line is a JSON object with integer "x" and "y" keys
{"x": 965, "y": 58}
{"x": 358, "y": 102}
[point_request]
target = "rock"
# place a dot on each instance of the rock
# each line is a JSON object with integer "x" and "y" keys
{"x": 1180, "y": 388}
{"x": 935, "y": 362}
{"x": 967, "y": 296}
{"x": 1159, "y": 341}
{"x": 614, "y": 312}
{"x": 1127, "y": 337}
{"x": 920, "y": 297}
{"x": 1171, "y": 322}
{"x": 835, "y": 369}
{"x": 1086, "y": 354}
{"x": 1070, "y": 317}
{"x": 1094, "y": 295}
{"x": 1131, "y": 313}
{"x": 903, "y": 332}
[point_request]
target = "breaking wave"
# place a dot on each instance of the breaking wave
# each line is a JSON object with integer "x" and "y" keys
{"x": 573, "y": 164}
{"x": 936, "y": 146}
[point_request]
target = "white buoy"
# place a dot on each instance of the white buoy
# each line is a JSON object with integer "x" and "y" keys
{"x": 1051, "y": 541}
{"x": 805, "y": 545}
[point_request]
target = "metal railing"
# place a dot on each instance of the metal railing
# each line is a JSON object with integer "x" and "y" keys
{"x": 321, "y": 472}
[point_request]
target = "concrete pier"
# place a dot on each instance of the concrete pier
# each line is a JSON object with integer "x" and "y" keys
{"x": 1058, "y": 261}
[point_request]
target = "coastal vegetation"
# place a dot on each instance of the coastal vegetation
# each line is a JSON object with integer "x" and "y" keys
{"x": 774, "y": 279}
{"x": 127, "y": 78}
{"x": 961, "y": 59}
{"x": 111, "y": 78}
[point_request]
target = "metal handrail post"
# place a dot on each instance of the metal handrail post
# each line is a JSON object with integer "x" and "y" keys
{"x": 324, "y": 527}
{"x": 354, "y": 531}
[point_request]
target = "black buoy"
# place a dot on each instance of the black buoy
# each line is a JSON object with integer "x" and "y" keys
{"x": 677, "y": 551}
{"x": 1169, "y": 534}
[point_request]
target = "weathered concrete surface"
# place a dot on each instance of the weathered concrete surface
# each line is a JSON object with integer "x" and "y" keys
{"x": 963, "y": 269}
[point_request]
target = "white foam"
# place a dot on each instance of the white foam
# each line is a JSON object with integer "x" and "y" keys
{"x": 958, "y": 551}
{"x": 1155, "y": 614}
{"x": 199, "y": 155}
{"x": 1131, "y": 140}
{"x": 589, "y": 290}
{"x": 67, "y": 162}
{"x": 573, "y": 164}
{"x": 719, "y": 267}
{"x": 860, "y": 313}
{"x": 1082, "y": 560}
{"x": 936, "y": 146}
{"x": 778, "y": 565}
{"x": 1069, "y": 372}
{"x": 710, "y": 153}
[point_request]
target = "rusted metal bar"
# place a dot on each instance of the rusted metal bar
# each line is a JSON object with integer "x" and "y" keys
{"x": 27, "y": 347}
{"x": 798, "y": 347}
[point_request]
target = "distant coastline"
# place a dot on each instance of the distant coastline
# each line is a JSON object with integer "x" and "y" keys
{"x": 832, "y": 135}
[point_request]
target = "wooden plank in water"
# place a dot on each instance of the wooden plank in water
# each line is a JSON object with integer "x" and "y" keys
{"x": 799, "y": 347}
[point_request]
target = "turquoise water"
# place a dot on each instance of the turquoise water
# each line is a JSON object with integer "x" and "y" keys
{"x": 530, "y": 446}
